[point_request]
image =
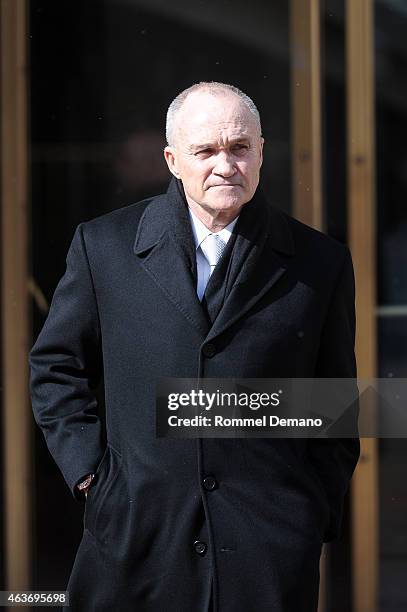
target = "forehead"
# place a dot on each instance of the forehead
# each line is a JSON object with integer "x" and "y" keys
{"x": 208, "y": 117}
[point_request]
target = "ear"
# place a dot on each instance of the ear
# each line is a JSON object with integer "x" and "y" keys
{"x": 170, "y": 156}
{"x": 261, "y": 150}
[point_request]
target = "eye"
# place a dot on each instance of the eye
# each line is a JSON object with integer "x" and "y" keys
{"x": 239, "y": 147}
{"x": 204, "y": 152}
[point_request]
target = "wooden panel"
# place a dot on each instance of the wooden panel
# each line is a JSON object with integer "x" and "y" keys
{"x": 306, "y": 140}
{"x": 362, "y": 232}
{"x": 15, "y": 328}
{"x": 306, "y": 111}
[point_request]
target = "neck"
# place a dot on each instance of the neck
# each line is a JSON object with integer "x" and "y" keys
{"x": 214, "y": 220}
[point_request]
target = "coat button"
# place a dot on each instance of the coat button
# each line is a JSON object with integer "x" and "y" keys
{"x": 209, "y": 350}
{"x": 200, "y": 547}
{"x": 209, "y": 483}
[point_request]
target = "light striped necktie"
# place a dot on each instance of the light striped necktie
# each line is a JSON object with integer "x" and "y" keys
{"x": 213, "y": 247}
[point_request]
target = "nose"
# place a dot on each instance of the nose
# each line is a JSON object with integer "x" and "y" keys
{"x": 224, "y": 164}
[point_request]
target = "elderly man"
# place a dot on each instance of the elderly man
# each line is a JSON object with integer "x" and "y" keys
{"x": 205, "y": 281}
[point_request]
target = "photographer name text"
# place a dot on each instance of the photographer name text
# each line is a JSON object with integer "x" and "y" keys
{"x": 270, "y": 420}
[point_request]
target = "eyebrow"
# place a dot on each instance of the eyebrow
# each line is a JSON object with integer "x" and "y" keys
{"x": 210, "y": 145}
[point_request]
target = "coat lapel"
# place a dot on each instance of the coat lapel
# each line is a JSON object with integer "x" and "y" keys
{"x": 261, "y": 255}
{"x": 165, "y": 247}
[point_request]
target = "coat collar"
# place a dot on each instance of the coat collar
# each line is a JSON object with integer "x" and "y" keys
{"x": 165, "y": 247}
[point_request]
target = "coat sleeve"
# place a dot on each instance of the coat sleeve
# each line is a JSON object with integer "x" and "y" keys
{"x": 65, "y": 366}
{"x": 335, "y": 459}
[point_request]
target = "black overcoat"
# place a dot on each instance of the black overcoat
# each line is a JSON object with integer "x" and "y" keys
{"x": 126, "y": 311}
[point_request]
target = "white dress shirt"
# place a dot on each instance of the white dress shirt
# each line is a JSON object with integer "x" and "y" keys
{"x": 200, "y": 232}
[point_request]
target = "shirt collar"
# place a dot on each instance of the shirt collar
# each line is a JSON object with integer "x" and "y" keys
{"x": 200, "y": 231}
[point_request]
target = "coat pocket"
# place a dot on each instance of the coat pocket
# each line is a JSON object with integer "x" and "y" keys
{"x": 102, "y": 489}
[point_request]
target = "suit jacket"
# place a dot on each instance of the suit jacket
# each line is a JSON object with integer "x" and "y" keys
{"x": 126, "y": 311}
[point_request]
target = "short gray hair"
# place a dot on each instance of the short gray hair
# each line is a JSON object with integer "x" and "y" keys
{"x": 214, "y": 89}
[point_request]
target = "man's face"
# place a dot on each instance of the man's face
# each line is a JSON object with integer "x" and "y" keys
{"x": 217, "y": 152}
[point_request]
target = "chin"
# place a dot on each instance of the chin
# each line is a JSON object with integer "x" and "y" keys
{"x": 227, "y": 203}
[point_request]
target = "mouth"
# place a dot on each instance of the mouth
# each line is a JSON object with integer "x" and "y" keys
{"x": 225, "y": 185}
